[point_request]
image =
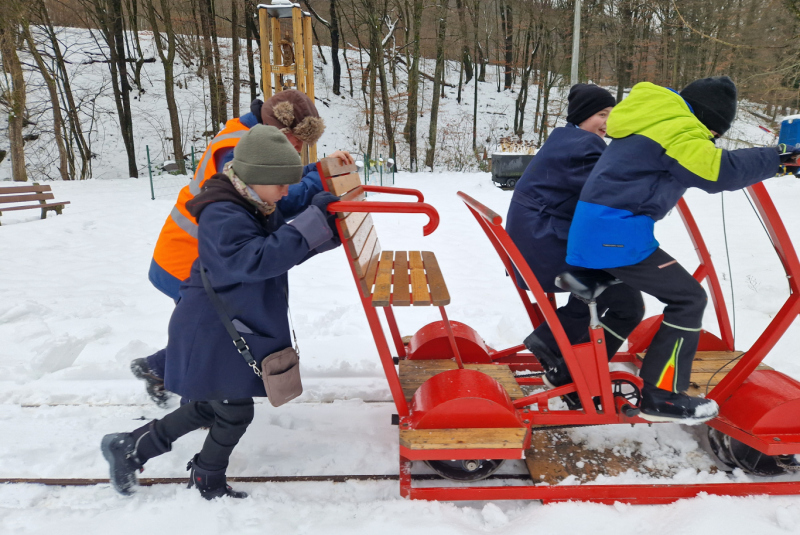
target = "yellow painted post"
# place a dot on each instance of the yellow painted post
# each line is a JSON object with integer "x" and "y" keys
{"x": 299, "y": 53}
{"x": 309, "y": 74}
{"x": 266, "y": 66}
{"x": 276, "y": 53}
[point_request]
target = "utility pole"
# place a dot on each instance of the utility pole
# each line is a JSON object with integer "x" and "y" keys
{"x": 576, "y": 39}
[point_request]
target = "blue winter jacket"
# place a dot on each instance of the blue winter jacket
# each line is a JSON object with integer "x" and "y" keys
{"x": 659, "y": 150}
{"x": 246, "y": 256}
{"x": 544, "y": 201}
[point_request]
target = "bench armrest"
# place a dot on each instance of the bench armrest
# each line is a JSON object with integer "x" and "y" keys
{"x": 391, "y": 208}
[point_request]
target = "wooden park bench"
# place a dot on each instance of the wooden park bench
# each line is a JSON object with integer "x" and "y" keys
{"x": 24, "y": 197}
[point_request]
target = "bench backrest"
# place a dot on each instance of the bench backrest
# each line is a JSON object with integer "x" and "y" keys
{"x": 358, "y": 234}
{"x": 20, "y": 194}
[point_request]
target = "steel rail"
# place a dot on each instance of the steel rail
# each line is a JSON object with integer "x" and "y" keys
{"x": 147, "y": 482}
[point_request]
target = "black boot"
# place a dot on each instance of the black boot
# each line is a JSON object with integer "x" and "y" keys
{"x": 555, "y": 369}
{"x": 119, "y": 449}
{"x": 153, "y": 383}
{"x": 666, "y": 406}
{"x": 211, "y": 483}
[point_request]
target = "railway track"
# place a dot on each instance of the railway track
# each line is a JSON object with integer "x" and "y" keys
{"x": 147, "y": 482}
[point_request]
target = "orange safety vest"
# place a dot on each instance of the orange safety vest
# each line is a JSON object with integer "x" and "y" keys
{"x": 176, "y": 248}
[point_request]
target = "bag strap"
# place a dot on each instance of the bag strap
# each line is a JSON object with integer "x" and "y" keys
{"x": 238, "y": 341}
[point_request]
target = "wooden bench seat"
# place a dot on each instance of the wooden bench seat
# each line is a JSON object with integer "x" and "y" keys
{"x": 18, "y": 196}
{"x": 415, "y": 372}
{"x": 388, "y": 278}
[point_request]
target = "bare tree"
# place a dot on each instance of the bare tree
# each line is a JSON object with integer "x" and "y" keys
{"x": 438, "y": 78}
{"x": 52, "y": 90}
{"x": 15, "y": 91}
{"x": 417, "y": 9}
{"x": 76, "y": 141}
{"x": 235, "y": 51}
{"x": 168, "y": 61}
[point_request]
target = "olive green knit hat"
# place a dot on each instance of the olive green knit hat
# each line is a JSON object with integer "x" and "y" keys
{"x": 265, "y": 156}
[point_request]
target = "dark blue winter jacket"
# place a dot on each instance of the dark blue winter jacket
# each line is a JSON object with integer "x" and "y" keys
{"x": 659, "y": 150}
{"x": 544, "y": 201}
{"x": 246, "y": 256}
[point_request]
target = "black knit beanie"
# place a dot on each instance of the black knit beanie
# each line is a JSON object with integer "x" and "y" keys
{"x": 713, "y": 101}
{"x": 585, "y": 100}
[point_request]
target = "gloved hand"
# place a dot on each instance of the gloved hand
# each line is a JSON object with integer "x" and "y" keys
{"x": 321, "y": 200}
{"x": 788, "y": 153}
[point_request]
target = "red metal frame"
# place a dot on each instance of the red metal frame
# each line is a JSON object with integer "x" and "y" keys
{"x": 465, "y": 399}
{"x": 737, "y": 391}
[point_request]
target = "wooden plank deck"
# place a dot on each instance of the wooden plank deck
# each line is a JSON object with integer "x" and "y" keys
{"x": 415, "y": 372}
{"x": 459, "y": 439}
{"x": 710, "y": 367}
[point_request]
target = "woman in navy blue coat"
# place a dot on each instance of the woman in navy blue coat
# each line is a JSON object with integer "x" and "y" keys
{"x": 539, "y": 219}
{"x": 246, "y": 249}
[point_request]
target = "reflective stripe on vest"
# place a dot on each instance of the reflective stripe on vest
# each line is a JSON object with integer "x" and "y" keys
{"x": 208, "y": 156}
{"x": 184, "y": 222}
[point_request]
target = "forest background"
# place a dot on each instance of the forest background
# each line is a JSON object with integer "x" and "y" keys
{"x": 393, "y": 58}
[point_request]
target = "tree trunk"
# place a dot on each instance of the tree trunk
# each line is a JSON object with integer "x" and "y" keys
{"x": 437, "y": 81}
{"x": 625, "y": 53}
{"x": 168, "y": 60}
{"x": 477, "y": 46}
{"x": 133, "y": 24}
{"x": 110, "y": 16}
{"x": 249, "y": 27}
{"x": 235, "y": 50}
{"x": 52, "y": 90}
{"x": 507, "y": 19}
{"x": 223, "y": 99}
{"x": 75, "y": 128}
{"x": 413, "y": 86}
{"x": 334, "y": 29}
{"x": 16, "y": 117}
{"x": 387, "y": 112}
{"x": 466, "y": 58}
{"x": 206, "y": 12}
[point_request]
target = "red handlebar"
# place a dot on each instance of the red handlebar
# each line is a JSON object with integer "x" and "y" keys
{"x": 487, "y": 213}
{"x": 391, "y": 208}
{"x": 395, "y": 191}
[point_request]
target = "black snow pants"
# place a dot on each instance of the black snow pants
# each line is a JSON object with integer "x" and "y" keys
{"x": 668, "y": 362}
{"x": 620, "y": 307}
{"x": 227, "y": 422}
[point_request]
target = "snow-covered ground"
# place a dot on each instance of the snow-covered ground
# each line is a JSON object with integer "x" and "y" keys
{"x": 76, "y": 308}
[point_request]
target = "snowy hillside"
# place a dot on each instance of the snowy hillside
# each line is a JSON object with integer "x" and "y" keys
{"x": 344, "y": 115}
{"x": 76, "y": 307}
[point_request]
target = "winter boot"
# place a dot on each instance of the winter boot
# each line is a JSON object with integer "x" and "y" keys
{"x": 153, "y": 383}
{"x": 119, "y": 449}
{"x": 555, "y": 369}
{"x": 666, "y": 406}
{"x": 211, "y": 483}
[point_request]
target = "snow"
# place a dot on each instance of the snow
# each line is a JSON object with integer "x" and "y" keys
{"x": 76, "y": 307}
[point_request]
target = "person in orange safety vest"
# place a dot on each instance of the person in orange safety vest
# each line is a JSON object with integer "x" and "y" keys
{"x": 295, "y": 115}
